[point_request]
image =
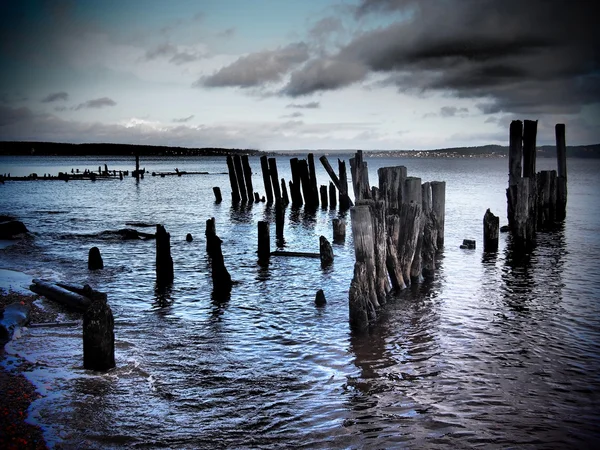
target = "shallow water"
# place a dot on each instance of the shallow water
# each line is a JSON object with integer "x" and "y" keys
{"x": 494, "y": 352}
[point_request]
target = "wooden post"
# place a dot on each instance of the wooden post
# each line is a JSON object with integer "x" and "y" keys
{"x": 295, "y": 184}
{"x": 546, "y": 198}
{"x": 210, "y": 233}
{"x": 279, "y": 223}
{"x": 330, "y": 172}
{"x": 164, "y": 262}
{"x": 332, "y": 196}
{"x": 320, "y": 298}
{"x": 323, "y": 192}
{"x": 515, "y": 170}
{"x": 137, "y": 167}
{"x": 428, "y": 248}
{"x": 305, "y": 182}
{"x": 235, "y": 192}
{"x": 360, "y": 177}
{"x": 98, "y": 336}
{"x": 491, "y": 230}
{"x": 247, "y": 176}
{"x": 264, "y": 242}
{"x": 391, "y": 184}
{"x": 392, "y": 258}
{"x": 325, "y": 251}
{"x": 284, "y": 193}
{"x": 438, "y": 199}
{"x": 95, "y": 259}
{"x": 378, "y": 213}
{"x": 239, "y": 173}
{"x": 561, "y": 182}
{"x": 256, "y": 197}
{"x": 217, "y": 192}
{"x": 410, "y": 226}
{"x": 345, "y": 202}
{"x": 529, "y": 150}
{"x": 220, "y": 275}
{"x": 413, "y": 194}
{"x": 313, "y": 179}
{"x": 274, "y": 179}
{"x": 339, "y": 231}
{"x": 264, "y": 164}
{"x": 362, "y": 295}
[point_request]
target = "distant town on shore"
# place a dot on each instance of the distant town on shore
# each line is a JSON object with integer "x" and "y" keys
{"x": 103, "y": 149}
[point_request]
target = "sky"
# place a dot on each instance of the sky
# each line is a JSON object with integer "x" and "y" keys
{"x": 305, "y": 74}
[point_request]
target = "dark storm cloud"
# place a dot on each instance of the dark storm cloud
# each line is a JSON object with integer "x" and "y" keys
{"x": 451, "y": 111}
{"x": 9, "y": 116}
{"x": 259, "y": 68}
{"x": 96, "y": 103}
{"x": 184, "y": 119}
{"x": 522, "y": 55}
{"x": 309, "y": 105}
{"x": 56, "y": 96}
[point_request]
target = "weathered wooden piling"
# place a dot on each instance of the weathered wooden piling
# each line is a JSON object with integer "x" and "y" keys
{"x": 239, "y": 174}
{"x": 247, "y": 176}
{"x": 256, "y": 197}
{"x": 546, "y": 198}
{"x": 210, "y": 233}
{"x": 264, "y": 242}
{"x": 320, "y": 298}
{"x": 428, "y": 248}
{"x": 339, "y": 230}
{"x": 98, "y": 336}
{"x": 264, "y": 164}
{"x": 561, "y": 181}
{"x": 491, "y": 230}
{"x": 410, "y": 229}
{"x": 284, "y": 193}
{"x": 220, "y": 275}
{"x": 217, "y": 192}
{"x": 95, "y": 261}
{"x": 305, "y": 182}
{"x": 295, "y": 184}
{"x": 164, "y": 262}
{"x": 279, "y": 222}
{"x": 325, "y": 252}
{"x": 391, "y": 185}
{"x": 274, "y": 179}
{"x": 360, "y": 177}
{"x": 313, "y": 179}
{"x": 235, "y": 191}
{"x": 438, "y": 201}
{"x": 332, "y": 196}
{"x": 382, "y": 285}
{"x": 323, "y": 192}
{"x": 345, "y": 202}
{"x": 362, "y": 295}
{"x": 137, "y": 166}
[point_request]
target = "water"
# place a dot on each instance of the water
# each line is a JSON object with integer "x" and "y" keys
{"x": 496, "y": 352}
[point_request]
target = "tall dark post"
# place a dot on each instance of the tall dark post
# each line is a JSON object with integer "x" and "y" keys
{"x": 239, "y": 173}
{"x": 264, "y": 165}
{"x": 323, "y": 192}
{"x": 164, "y": 262}
{"x": 305, "y": 182}
{"x": 137, "y": 166}
{"x": 561, "y": 181}
{"x": 491, "y": 230}
{"x": 529, "y": 151}
{"x": 284, "y": 193}
{"x": 264, "y": 243}
{"x": 295, "y": 184}
{"x": 235, "y": 192}
{"x": 98, "y": 335}
{"x": 95, "y": 259}
{"x": 274, "y": 179}
{"x": 325, "y": 252}
{"x": 332, "y": 196}
{"x": 279, "y": 222}
{"x": 438, "y": 198}
{"x": 210, "y": 233}
{"x": 313, "y": 178}
{"x": 248, "y": 177}
{"x": 515, "y": 169}
{"x": 345, "y": 202}
{"x": 217, "y": 192}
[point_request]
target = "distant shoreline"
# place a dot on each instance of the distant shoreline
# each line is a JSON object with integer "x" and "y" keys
{"x": 24, "y": 148}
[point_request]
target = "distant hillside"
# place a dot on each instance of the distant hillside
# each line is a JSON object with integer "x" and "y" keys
{"x": 491, "y": 151}
{"x": 61, "y": 149}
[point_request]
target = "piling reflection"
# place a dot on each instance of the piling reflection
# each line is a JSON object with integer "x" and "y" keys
{"x": 163, "y": 296}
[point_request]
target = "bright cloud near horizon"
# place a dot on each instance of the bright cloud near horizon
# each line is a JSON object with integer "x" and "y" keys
{"x": 306, "y": 74}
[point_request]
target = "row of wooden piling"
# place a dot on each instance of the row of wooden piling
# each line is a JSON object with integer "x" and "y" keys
{"x": 397, "y": 228}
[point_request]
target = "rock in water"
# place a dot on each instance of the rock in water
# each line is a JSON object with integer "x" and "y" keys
{"x": 11, "y": 229}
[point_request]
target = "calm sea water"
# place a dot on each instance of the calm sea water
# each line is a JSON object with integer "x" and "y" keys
{"x": 496, "y": 352}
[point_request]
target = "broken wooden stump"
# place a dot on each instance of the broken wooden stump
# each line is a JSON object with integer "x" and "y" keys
{"x": 491, "y": 230}
{"x": 468, "y": 244}
{"x": 332, "y": 196}
{"x": 325, "y": 252}
{"x": 235, "y": 191}
{"x": 428, "y": 248}
{"x": 95, "y": 261}
{"x": 438, "y": 201}
{"x": 220, "y": 275}
{"x": 561, "y": 181}
{"x": 295, "y": 184}
{"x": 264, "y": 242}
{"x": 217, "y": 192}
{"x": 98, "y": 336}
{"x": 264, "y": 164}
{"x": 339, "y": 231}
{"x": 279, "y": 223}
{"x": 189, "y": 237}
{"x": 210, "y": 233}
{"x": 164, "y": 262}
{"x": 274, "y": 179}
{"x": 247, "y": 176}
{"x": 284, "y": 193}
{"x": 320, "y": 298}
{"x": 323, "y": 193}
{"x": 239, "y": 175}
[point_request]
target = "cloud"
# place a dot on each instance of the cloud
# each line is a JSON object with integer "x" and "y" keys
{"x": 451, "y": 111}
{"x": 323, "y": 75}
{"x": 293, "y": 115}
{"x": 96, "y": 103}
{"x": 9, "y": 116}
{"x": 309, "y": 105}
{"x": 56, "y": 96}
{"x": 259, "y": 68}
{"x": 161, "y": 51}
{"x": 184, "y": 119}
{"x": 479, "y": 49}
